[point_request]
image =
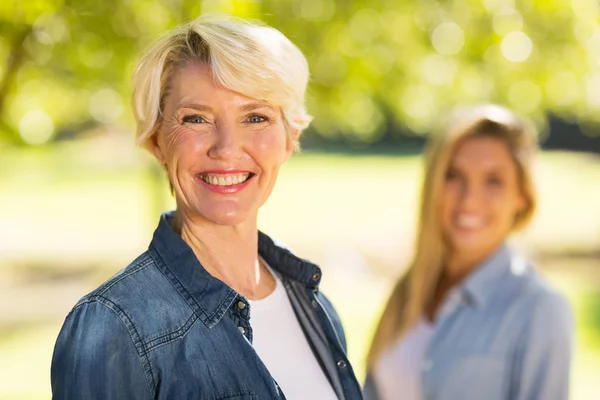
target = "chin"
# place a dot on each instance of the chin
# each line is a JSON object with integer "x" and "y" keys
{"x": 468, "y": 243}
{"x": 225, "y": 219}
{"x": 226, "y": 216}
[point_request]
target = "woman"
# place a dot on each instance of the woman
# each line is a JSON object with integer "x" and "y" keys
{"x": 214, "y": 309}
{"x": 471, "y": 319}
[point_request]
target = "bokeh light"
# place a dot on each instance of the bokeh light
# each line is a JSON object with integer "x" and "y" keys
{"x": 439, "y": 70}
{"x": 36, "y": 127}
{"x": 448, "y": 38}
{"x": 106, "y": 105}
{"x": 516, "y": 46}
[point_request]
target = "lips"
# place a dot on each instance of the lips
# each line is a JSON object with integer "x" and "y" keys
{"x": 468, "y": 221}
{"x": 225, "y": 180}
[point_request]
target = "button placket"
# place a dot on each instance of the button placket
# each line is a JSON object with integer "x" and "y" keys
{"x": 241, "y": 317}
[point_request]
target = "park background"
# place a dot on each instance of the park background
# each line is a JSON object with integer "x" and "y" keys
{"x": 78, "y": 201}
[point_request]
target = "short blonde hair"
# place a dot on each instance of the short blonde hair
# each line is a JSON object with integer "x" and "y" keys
{"x": 254, "y": 60}
{"x": 415, "y": 289}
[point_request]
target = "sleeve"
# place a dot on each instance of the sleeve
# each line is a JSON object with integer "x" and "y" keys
{"x": 95, "y": 358}
{"x": 335, "y": 320}
{"x": 543, "y": 358}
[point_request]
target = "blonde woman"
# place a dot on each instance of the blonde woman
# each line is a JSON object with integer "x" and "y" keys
{"x": 214, "y": 309}
{"x": 471, "y": 319}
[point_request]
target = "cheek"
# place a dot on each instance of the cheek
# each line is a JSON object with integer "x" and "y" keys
{"x": 505, "y": 205}
{"x": 270, "y": 147}
{"x": 182, "y": 145}
{"x": 449, "y": 196}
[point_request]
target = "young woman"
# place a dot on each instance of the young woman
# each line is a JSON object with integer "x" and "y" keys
{"x": 471, "y": 319}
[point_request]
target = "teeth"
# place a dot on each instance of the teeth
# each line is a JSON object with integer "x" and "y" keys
{"x": 469, "y": 221}
{"x": 227, "y": 180}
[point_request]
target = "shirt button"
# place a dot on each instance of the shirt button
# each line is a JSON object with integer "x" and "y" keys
{"x": 241, "y": 328}
{"x": 341, "y": 364}
{"x": 314, "y": 304}
{"x": 241, "y": 305}
{"x": 316, "y": 277}
{"x": 427, "y": 365}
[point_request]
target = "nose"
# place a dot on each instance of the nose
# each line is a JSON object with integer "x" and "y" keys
{"x": 226, "y": 144}
{"x": 469, "y": 194}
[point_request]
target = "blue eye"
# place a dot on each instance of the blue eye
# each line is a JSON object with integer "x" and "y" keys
{"x": 256, "y": 119}
{"x": 194, "y": 119}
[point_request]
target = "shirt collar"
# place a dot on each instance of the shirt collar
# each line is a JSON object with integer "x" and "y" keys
{"x": 480, "y": 284}
{"x": 208, "y": 296}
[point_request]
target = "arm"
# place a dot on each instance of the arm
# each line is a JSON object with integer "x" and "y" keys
{"x": 543, "y": 358}
{"x": 95, "y": 358}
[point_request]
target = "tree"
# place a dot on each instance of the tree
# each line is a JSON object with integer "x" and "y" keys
{"x": 377, "y": 65}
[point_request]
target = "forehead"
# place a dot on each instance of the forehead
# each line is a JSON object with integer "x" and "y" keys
{"x": 483, "y": 153}
{"x": 195, "y": 82}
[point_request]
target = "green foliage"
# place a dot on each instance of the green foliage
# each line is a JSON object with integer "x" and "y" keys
{"x": 377, "y": 65}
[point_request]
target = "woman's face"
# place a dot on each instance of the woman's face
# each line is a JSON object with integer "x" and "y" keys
{"x": 481, "y": 196}
{"x": 222, "y": 150}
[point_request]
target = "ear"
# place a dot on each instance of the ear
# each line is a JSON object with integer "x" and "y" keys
{"x": 154, "y": 147}
{"x": 521, "y": 204}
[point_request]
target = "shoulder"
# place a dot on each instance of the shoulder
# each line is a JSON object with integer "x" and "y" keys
{"x": 141, "y": 296}
{"x": 550, "y": 312}
{"x": 546, "y": 313}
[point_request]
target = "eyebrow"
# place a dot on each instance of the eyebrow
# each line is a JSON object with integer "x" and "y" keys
{"x": 255, "y": 106}
{"x": 195, "y": 106}
{"x": 246, "y": 107}
{"x": 494, "y": 169}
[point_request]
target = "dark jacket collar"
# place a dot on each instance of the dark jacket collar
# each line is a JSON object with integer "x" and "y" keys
{"x": 207, "y": 295}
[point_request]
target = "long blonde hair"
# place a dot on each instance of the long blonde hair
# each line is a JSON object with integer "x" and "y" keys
{"x": 416, "y": 287}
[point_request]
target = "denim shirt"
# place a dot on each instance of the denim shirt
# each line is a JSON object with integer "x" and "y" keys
{"x": 164, "y": 328}
{"x": 502, "y": 335}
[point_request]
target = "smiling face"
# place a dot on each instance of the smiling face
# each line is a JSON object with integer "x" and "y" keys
{"x": 222, "y": 150}
{"x": 481, "y": 196}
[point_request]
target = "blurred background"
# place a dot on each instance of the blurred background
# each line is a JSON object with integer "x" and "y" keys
{"x": 78, "y": 201}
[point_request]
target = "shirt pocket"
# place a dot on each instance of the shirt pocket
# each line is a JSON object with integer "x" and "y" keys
{"x": 474, "y": 377}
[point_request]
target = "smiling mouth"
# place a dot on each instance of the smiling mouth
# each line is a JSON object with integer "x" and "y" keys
{"x": 226, "y": 180}
{"x": 463, "y": 221}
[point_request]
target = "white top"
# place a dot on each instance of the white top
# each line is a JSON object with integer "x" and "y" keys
{"x": 397, "y": 373}
{"x": 282, "y": 346}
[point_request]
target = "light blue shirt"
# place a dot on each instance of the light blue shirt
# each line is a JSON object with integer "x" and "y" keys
{"x": 503, "y": 334}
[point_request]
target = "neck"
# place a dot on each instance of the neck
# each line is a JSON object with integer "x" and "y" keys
{"x": 462, "y": 263}
{"x": 229, "y": 253}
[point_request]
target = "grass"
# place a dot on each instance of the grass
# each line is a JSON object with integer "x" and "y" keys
{"x": 72, "y": 215}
